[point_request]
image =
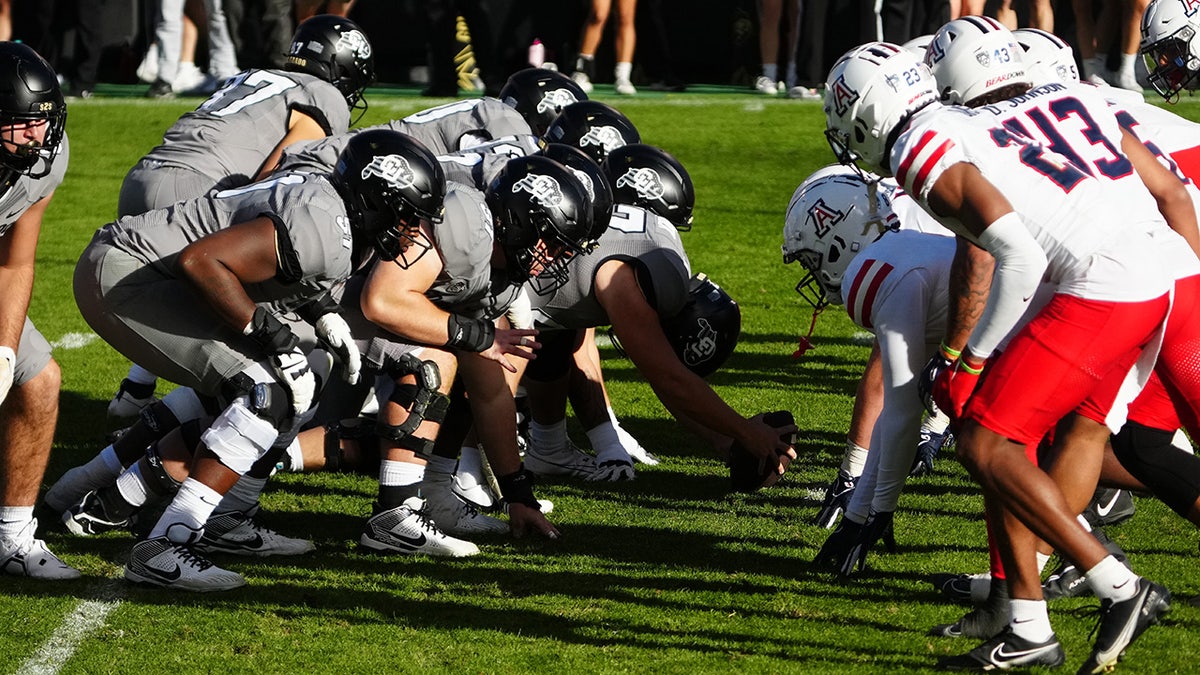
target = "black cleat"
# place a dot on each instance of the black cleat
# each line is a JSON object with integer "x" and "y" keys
{"x": 1122, "y": 622}
{"x": 1006, "y": 651}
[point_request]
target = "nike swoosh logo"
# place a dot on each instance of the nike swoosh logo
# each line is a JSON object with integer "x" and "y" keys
{"x": 404, "y": 540}
{"x": 1021, "y": 621}
{"x": 1122, "y": 585}
{"x": 165, "y": 575}
{"x": 999, "y": 655}
{"x": 1104, "y": 509}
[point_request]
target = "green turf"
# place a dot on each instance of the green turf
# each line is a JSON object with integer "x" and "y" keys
{"x": 667, "y": 574}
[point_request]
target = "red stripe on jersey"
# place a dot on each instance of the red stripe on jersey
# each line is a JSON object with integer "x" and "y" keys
{"x": 906, "y": 164}
{"x": 1188, "y": 161}
{"x": 861, "y": 302}
{"x": 927, "y": 167}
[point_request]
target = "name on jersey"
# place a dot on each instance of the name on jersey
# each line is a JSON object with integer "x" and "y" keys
{"x": 393, "y": 169}
{"x": 545, "y": 190}
{"x": 1018, "y": 100}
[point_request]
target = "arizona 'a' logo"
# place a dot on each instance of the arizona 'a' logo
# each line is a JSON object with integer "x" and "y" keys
{"x": 823, "y": 217}
{"x": 934, "y": 52}
{"x": 843, "y": 95}
{"x": 1190, "y": 7}
{"x": 393, "y": 169}
{"x": 555, "y": 100}
{"x": 545, "y": 190}
{"x": 605, "y": 137}
{"x": 702, "y": 346}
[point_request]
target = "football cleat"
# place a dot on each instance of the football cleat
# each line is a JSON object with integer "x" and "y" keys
{"x": 567, "y": 461}
{"x": 967, "y": 589}
{"x": 27, "y": 556}
{"x": 837, "y": 498}
{"x": 91, "y": 517}
{"x": 71, "y": 488}
{"x": 406, "y": 529}
{"x": 984, "y": 621}
{"x": 1122, "y": 622}
{"x": 237, "y": 533}
{"x": 1068, "y": 581}
{"x": 1007, "y": 650}
{"x": 1109, "y": 507}
{"x": 162, "y": 562}
{"x": 451, "y": 514}
{"x": 473, "y": 489}
{"x": 130, "y": 398}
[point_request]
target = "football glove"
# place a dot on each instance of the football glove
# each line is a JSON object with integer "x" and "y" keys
{"x": 612, "y": 465}
{"x": 941, "y": 361}
{"x": 8, "y": 367}
{"x": 954, "y": 386}
{"x": 520, "y": 312}
{"x": 293, "y": 372}
{"x": 837, "y": 498}
{"x": 928, "y": 447}
{"x": 837, "y": 546}
{"x": 877, "y": 528}
{"x": 333, "y": 330}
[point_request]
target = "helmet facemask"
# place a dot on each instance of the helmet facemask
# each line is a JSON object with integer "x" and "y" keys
{"x": 1171, "y": 64}
{"x": 30, "y": 158}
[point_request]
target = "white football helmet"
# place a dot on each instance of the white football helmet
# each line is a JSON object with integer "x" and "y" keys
{"x": 1169, "y": 45}
{"x": 973, "y": 56}
{"x": 834, "y": 214}
{"x": 870, "y": 91}
{"x": 918, "y": 45}
{"x": 1047, "y": 57}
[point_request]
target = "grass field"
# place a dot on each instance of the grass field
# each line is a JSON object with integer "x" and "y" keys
{"x": 668, "y": 574}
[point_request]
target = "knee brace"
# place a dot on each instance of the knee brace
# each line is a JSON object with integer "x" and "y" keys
{"x": 363, "y": 433}
{"x": 241, "y": 435}
{"x": 158, "y": 480}
{"x": 1172, "y": 474}
{"x": 423, "y": 402}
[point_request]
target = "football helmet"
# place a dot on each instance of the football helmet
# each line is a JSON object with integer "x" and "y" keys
{"x": 705, "y": 332}
{"x": 29, "y": 95}
{"x": 832, "y": 217}
{"x": 336, "y": 50}
{"x": 540, "y": 95}
{"x": 391, "y": 183}
{"x": 870, "y": 91}
{"x": 542, "y": 219}
{"x": 973, "y": 56}
{"x": 594, "y": 127}
{"x": 1048, "y": 58}
{"x": 918, "y": 45}
{"x": 649, "y": 177}
{"x": 1169, "y": 46}
{"x": 594, "y": 181}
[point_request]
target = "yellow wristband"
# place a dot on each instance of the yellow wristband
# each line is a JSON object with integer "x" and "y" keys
{"x": 951, "y": 353}
{"x": 968, "y": 369}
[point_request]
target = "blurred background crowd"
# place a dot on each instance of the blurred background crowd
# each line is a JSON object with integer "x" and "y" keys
{"x": 456, "y": 47}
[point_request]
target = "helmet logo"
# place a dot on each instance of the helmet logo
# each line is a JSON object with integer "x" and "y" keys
{"x": 393, "y": 169}
{"x": 646, "y": 182}
{"x": 586, "y": 180}
{"x": 606, "y": 137}
{"x": 702, "y": 347}
{"x": 843, "y": 95}
{"x": 545, "y": 190}
{"x": 356, "y": 42}
{"x": 1190, "y": 7}
{"x": 824, "y": 217}
{"x": 555, "y": 100}
{"x": 983, "y": 58}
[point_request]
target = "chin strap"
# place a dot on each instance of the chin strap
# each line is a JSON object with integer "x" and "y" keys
{"x": 805, "y": 343}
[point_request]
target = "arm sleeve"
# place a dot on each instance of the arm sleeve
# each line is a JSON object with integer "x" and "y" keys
{"x": 1020, "y": 263}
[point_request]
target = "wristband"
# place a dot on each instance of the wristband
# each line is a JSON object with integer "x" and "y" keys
{"x": 270, "y": 333}
{"x": 950, "y": 353}
{"x": 473, "y": 335}
{"x": 517, "y": 488}
{"x": 966, "y": 368}
{"x": 315, "y": 309}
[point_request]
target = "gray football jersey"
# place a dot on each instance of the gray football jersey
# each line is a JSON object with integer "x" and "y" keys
{"x": 638, "y": 236}
{"x": 479, "y": 164}
{"x": 464, "y": 240}
{"x": 312, "y": 233}
{"x": 230, "y": 135}
{"x": 26, "y": 191}
{"x": 447, "y": 128}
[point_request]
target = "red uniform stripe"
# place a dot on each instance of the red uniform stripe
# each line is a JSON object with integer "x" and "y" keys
{"x": 911, "y": 156}
{"x": 871, "y": 275}
{"x": 927, "y": 167}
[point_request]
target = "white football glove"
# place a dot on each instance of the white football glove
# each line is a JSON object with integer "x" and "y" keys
{"x": 635, "y": 449}
{"x": 520, "y": 312}
{"x": 612, "y": 464}
{"x": 333, "y": 330}
{"x": 8, "y": 367}
{"x": 293, "y": 372}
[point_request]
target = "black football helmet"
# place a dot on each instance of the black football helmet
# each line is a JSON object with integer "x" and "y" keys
{"x": 646, "y": 176}
{"x": 336, "y": 50}
{"x": 540, "y": 95}
{"x": 391, "y": 183}
{"x": 29, "y": 95}
{"x": 542, "y": 216}
{"x": 594, "y": 127}
{"x": 594, "y": 181}
{"x": 705, "y": 332}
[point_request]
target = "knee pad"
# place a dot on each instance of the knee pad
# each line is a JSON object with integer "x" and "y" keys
{"x": 240, "y": 436}
{"x": 265, "y": 465}
{"x": 1173, "y": 475}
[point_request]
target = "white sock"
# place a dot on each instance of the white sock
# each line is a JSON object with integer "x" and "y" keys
{"x": 771, "y": 71}
{"x": 440, "y": 464}
{"x": 140, "y": 375}
{"x": 13, "y": 519}
{"x": 1030, "y": 620}
{"x": 244, "y": 494}
{"x": 295, "y": 461}
{"x": 855, "y": 459}
{"x": 132, "y": 485}
{"x": 1111, "y": 580}
{"x": 190, "y": 509}
{"x": 606, "y": 443}
{"x": 622, "y": 71}
{"x": 548, "y": 438}
{"x": 1127, "y": 63}
{"x": 393, "y": 473}
{"x": 470, "y": 464}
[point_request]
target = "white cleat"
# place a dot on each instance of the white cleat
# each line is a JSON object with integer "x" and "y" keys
{"x": 126, "y": 404}
{"x": 584, "y": 82}
{"x": 454, "y": 516}
{"x": 766, "y": 85}
{"x": 407, "y": 530}
{"x": 625, "y": 88}
{"x": 237, "y": 533}
{"x": 161, "y": 562}
{"x": 566, "y": 461}
{"x": 27, "y": 556}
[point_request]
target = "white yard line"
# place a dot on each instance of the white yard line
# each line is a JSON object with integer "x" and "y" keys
{"x": 87, "y": 617}
{"x": 74, "y": 341}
